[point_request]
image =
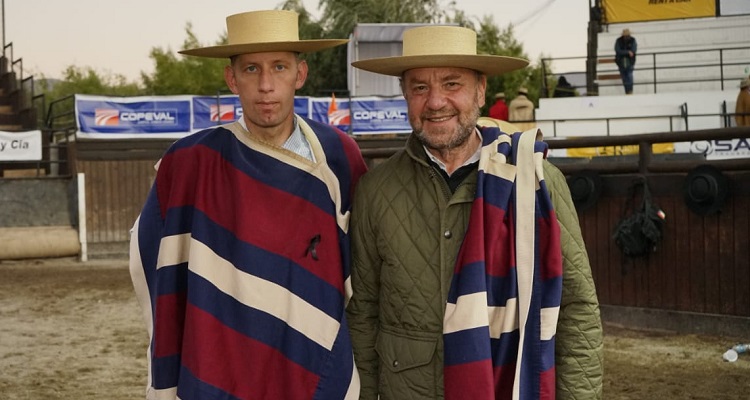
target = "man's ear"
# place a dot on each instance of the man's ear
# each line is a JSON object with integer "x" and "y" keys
{"x": 230, "y": 79}
{"x": 302, "y": 70}
{"x": 481, "y": 90}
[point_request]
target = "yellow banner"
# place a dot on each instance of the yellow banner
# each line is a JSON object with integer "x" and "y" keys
{"x": 653, "y": 10}
{"x": 656, "y": 148}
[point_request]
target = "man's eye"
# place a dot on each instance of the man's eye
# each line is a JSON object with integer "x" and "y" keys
{"x": 252, "y": 68}
{"x": 280, "y": 67}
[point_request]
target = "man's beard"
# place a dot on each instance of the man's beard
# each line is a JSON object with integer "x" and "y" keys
{"x": 443, "y": 140}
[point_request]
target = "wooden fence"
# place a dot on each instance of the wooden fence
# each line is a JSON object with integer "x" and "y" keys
{"x": 702, "y": 264}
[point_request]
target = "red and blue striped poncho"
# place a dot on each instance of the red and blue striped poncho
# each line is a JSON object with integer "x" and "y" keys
{"x": 240, "y": 261}
{"x": 504, "y": 300}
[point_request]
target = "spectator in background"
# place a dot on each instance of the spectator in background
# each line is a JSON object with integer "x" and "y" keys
{"x": 499, "y": 109}
{"x": 521, "y": 112}
{"x": 625, "y": 49}
{"x": 564, "y": 88}
{"x": 742, "y": 109}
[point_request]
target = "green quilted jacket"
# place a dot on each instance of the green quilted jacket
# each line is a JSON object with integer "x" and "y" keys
{"x": 406, "y": 230}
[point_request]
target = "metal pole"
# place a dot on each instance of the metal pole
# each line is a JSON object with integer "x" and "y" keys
{"x": 545, "y": 91}
{"x": 595, "y": 17}
{"x": 653, "y": 57}
{"x": 721, "y": 67}
{"x": 3, "y": 22}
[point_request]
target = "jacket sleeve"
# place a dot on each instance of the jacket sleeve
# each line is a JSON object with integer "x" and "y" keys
{"x": 579, "y": 346}
{"x": 619, "y": 52}
{"x": 363, "y": 308}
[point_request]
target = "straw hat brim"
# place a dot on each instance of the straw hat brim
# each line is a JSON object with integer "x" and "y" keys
{"x": 488, "y": 64}
{"x": 230, "y": 50}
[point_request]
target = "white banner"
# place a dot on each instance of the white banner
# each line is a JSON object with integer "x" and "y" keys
{"x": 20, "y": 146}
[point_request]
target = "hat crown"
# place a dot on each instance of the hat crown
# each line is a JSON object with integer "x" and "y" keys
{"x": 266, "y": 26}
{"x": 443, "y": 40}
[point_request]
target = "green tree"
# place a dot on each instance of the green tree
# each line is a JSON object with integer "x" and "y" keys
{"x": 493, "y": 40}
{"x": 58, "y": 94}
{"x": 176, "y": 74}
{"x": 328, "y": 69}
{"x": 86, "y": 80}
{"x": 318, "y": 82}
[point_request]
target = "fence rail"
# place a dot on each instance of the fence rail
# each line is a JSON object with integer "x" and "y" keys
{"x": 716, "y": 66}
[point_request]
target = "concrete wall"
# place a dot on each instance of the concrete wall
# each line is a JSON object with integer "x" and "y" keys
{"x": 646, "y": 113}
{"x": 37, "y": 202}
{"x": 38, "y": 218}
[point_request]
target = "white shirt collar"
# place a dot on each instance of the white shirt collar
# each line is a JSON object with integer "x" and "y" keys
{"x": 474, "y": 157}
{"x": 297, "y": 142}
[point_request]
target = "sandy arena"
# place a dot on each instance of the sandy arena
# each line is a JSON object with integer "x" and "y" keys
{"x": 72, "y": 330}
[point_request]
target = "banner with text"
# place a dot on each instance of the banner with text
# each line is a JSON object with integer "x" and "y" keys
{"x": 20, "y": 146}
{"x": 102, "y": 117}
{"x": 209, "y": 111}
{"x": 133, "y": 117}
{"x": 380, "y": 115}
{"x": 616, "y": 11}
{"x": 717, "y": 149}
{"x": 363, "y": 115}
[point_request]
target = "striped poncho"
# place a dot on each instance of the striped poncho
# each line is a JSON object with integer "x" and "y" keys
{"x": 501, "y": 316}
{"x": 240, "y": 261}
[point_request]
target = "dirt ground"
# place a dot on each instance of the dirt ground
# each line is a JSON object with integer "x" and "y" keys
{"x": 71, "y": 330}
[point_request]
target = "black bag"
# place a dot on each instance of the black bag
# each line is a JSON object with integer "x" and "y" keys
{"x": 640, "y": 230}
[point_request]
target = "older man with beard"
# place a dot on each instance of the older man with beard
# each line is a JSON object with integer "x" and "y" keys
{"x": 470, "y": 277}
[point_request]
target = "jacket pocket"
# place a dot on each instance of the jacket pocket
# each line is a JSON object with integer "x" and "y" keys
{"x": 407, "y": 369}
{"x": 400, "y": 352}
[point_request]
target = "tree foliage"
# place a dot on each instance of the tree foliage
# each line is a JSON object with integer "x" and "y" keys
{"x": 493, "y": 40}
{"x": 328, "y": 72}
{"x": 176, "y": 74}
{"x": 86, "y": 80}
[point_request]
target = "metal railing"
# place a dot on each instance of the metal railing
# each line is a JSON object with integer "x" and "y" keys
{"x": 644, "y": 162}
{"x": 25, "y": 100}
{"x": 718, "y": 64}
{"x": 61, "y": 113}
{"x": 608, "y": 120}
{"x": 2, "y": 23}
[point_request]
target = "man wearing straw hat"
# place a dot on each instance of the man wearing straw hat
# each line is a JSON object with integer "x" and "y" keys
{"x": 240, "y": 257}
{"x": 466, "y": 247}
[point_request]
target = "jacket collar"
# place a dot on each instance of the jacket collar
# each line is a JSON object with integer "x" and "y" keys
{"x": 466, "y": 191}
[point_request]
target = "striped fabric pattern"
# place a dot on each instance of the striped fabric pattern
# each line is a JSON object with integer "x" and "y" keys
{"x": 240, "y": 261}
{"x": 504, "y": 300}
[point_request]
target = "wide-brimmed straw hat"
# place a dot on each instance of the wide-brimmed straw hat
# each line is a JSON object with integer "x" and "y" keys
{"x": 263, "y": 31}
{"x": 441, "y": 47}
